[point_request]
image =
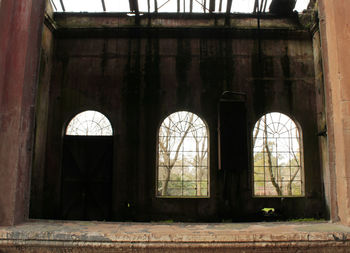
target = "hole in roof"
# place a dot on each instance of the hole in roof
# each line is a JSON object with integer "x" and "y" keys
{"x": 199, "y": 6}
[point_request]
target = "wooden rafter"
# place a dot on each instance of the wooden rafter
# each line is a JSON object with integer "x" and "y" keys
{"x": 103, "y": 5}
{"x": 256, "y": 6}
{"x": 134, "y": 6}
{"x": 228, "y": 7}
{"x": 155, "y": 6}
{"x": 212, "y": 6}
{"x": 62, "y": 5}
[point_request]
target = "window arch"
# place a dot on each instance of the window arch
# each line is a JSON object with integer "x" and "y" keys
{"x": 278, "y": 157}
{"x": 89, "y": 123}
{"x": 183, "y": 166}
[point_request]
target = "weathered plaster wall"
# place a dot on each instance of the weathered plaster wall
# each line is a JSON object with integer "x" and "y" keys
{"x": 20, "y": 30}
{"x": 137, "y": 79}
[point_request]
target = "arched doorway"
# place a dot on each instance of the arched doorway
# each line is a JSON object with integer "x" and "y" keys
{"x": 86, "y": 189}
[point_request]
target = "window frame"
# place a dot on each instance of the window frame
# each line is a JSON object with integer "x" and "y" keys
{"x": 157, "y": 196}
{"x": 65, "y": 129}
{"x": 302, "y": 166}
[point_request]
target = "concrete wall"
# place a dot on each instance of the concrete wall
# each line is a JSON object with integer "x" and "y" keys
{"x": 334, "y": 25}
{"x": 137, "y": 79}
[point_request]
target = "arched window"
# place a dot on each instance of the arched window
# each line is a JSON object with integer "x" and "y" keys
{"x": 183, "y": 169}
{"x": 90, "y": 123}
{"x": 278, "y": 164}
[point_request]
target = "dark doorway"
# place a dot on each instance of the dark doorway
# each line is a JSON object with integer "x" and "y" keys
{"x": 87, "y": 178}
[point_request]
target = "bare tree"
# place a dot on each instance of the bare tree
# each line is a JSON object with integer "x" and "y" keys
{"x": 167, "y": 144}
{"x": 269, "y": 158}
{"x": 274, "y": 165}
{"x": 201, "y": 155}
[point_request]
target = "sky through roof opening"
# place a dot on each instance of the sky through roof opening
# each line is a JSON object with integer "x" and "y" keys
{"x": 199, "y": 6}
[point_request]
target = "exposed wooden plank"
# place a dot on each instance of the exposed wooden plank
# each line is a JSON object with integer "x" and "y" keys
{"x": 52, "y": 3}
{"x": 228, "y": 7}
{"x": 131, "y": 5}
{"x": 262, "y": 4}
{"x": 134, "y": 6}
{"x": 256, "y": 6}
{"x": 155, "y": 6}
{"x": 103, "y": 5}
{"x": 212, "y": 6}
{"x": 62, "y": 5}
{"x": 265, "y": 4}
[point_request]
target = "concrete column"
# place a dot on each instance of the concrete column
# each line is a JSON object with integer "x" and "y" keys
{"x": 335, "y": 41}
{"x": 20, "y": 33}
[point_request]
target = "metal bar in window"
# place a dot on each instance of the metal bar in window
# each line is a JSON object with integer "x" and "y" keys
{"x": 191, "y": 6}
{"x": 103, "y": 5}
{"x": 204, "y": 6}
{"x": 178, "y": 5}
{"x": 220, "y": 6}
{"x": 62, "y": 5}
{"x": 148, "y": 6}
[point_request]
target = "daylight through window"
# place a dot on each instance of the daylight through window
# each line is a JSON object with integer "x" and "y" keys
{"x": 183, "y": 156}
{"x": 278, "y": 168}
{"x": 89, "y": 123}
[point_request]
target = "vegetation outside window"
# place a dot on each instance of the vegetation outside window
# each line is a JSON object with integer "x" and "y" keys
{"x": 278, "y": 157}
{"x": 183, "y": 169}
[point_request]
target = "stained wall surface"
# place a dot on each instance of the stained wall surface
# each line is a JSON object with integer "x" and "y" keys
{"x": 138, "y": 77}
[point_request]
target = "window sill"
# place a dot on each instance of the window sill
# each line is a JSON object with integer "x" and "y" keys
{"x": 40, "y": 235}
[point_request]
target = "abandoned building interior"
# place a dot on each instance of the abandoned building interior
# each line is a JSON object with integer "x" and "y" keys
{"x": 194, "y": 111}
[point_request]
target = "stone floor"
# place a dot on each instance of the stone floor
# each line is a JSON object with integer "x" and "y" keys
{"x": 79, "y": 236}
